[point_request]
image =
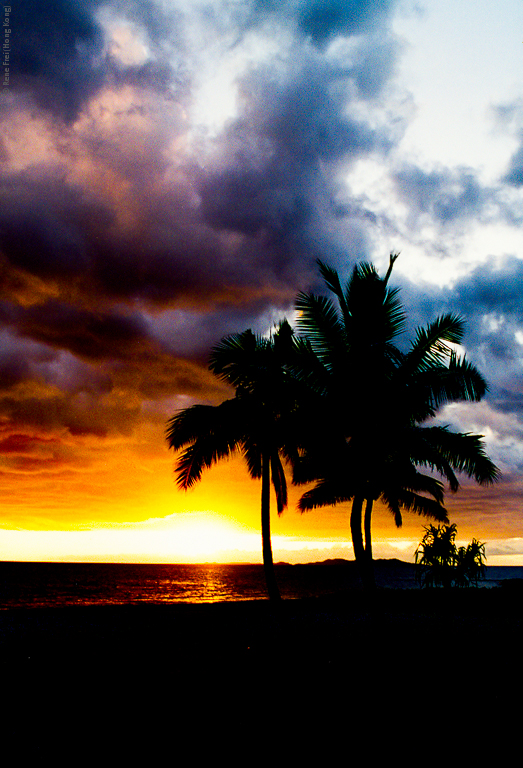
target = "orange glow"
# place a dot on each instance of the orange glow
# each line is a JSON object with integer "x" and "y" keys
{"x": 113, "y": 497}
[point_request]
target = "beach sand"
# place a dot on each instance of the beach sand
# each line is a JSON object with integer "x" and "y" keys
{"x": 226, "y": 679}
{"x": 319, "y": 633}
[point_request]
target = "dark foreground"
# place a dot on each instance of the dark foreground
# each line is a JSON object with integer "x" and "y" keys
{"x": 475, "y": 631}
{"x": 231, "y": 676}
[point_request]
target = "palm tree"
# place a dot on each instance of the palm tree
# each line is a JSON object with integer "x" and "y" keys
{"x": 395, "y": 480}
{"x": 255, "y": 423}
{"x": 376, "y": 399}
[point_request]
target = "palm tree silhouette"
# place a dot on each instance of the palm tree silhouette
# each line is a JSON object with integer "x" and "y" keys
{"x": 255, "y": 423}
{"x": 376, "y": 399}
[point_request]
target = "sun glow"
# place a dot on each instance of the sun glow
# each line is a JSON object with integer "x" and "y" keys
{"x": 200, "y": 536}
{"x": 194, "y": 537}
{"x": 216, "y": 102}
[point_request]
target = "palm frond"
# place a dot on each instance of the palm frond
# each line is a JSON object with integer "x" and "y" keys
{"x": 464, "y": 452}
{"x": 306, "y": 368}
{"x": 395, "y": 319}
{"x": 239, "y": 358}
{"x": 421, "y": 483}
{"x": 401, "y": 473}
{"x": 199, "y": 456}
{"x": 465, "y": 381}
{"x": 279, "y": 482}
{"x": 393, "y": 256}
{"x": 190, "y": 423}
{"x": 320, "y": 321}
{"x": 253, "y": 457}
{"x": 415, "y": 502}
{"x": 326, "y": 493}
{"x": 332, "y": 281}
{"x": 431, "y": 345}
{"x": 437, "y": 385}
{"x": 391, "y": 501}
{"x": 375, "y": 315}
{"x": 208, "y": 434}
{"x": 425, "y": 451}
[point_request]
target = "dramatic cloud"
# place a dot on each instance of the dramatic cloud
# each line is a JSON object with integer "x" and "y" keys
{"x": 515, "y": 173}
{"x": 490, "y": 301}
{"x": 58, "y": 52}
{"x": 510, "y": 117}
{"x": 446, "y": 196}
{"x": 323, "y": 21}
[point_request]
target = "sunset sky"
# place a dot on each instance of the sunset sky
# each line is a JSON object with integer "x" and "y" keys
{"x": 171, "y": 171}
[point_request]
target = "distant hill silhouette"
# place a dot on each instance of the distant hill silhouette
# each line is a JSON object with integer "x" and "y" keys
{"x": 385, "y": 562}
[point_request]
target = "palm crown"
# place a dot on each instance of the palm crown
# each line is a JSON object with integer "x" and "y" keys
{"x": 376, "y": 401}
{"x": 345, "y": 406}
{"x": 255, "y": 422}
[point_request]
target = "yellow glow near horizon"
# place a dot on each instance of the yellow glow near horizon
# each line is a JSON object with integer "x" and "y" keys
{"x": 125, "y": 507}
{"x": 185, "y": 537}
{"x": 203, "y": 537}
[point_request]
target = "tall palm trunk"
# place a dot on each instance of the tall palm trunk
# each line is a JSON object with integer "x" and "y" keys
{"x": 366, "y": 572}
{"x": 268, "y": 565}
{"x": 369, "y": 564}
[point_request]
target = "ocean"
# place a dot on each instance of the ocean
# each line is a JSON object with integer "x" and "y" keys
{"x": 24, "y": 585}
{"x": 54, "y": 584}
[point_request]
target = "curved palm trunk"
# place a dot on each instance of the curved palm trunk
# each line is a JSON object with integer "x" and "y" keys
{"x": 268, "y": 565}
{"x": 366, "y": 574}
{"x": 368, "y": 543}
{"x": 357, "y": 536}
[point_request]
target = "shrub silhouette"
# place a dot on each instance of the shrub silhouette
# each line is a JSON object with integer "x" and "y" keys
{"x": 441, "y": 564}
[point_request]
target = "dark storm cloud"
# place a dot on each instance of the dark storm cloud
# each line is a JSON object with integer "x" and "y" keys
{"x": 494, "y": 287}
{"x": 84, "y": 415}
{"x": 490, "y": 300}
{"x": 43, "y": 223}
{"x": 88, "y": 334}
{"x": 25, "y": 360}
{"x": 374, "y": 66}
{"x": 278, "y": 157}
{"x": 50, "y": 390}
{"x": 52, "y": 229}
{"x": 297, "y": 116}
{"x": 58, "y": 45}
{"x": 61, "y": 60}
{"x": 322, "y": 20}
{"x": 152, "y": 76}
{"x": 125, "y": 255}
{"x": 14, "y": 365}
{"x": 446, "y": 195}
{"x": 510, "y": 118}
{"x": 46, "y": 388}
{"x": 306, "y": 119}
{"x": 515, "y": 172}
{"x": 161, "y": 22}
